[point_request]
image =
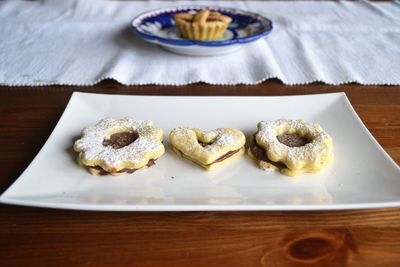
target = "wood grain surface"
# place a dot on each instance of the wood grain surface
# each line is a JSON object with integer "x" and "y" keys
{"x": 48, "y": 237}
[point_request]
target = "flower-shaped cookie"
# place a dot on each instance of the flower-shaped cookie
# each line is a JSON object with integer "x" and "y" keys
{"x": 119, "y": 146}
{"x": 208, "y": 149}
{"x": 292, "y": 146}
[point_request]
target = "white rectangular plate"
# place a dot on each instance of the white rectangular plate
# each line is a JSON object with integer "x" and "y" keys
{"x": 362, "y": 175}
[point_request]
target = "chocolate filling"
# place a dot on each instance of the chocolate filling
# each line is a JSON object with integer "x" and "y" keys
{"x": 204, "y": 144}
{"x": 125, "y": 170}
{"x": 120, "y": 140}
{"x": 260, "y": 154}
{"x": 225, "y": 156}
{"x": 292, "y": 140}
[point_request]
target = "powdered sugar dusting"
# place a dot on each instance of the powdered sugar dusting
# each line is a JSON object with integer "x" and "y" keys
{"x": 218, "y": 142}
{"x": 319, "y": 143}
{"x": 91, "y": 143}
{"x": 225, "y": 139}
{"x": 186, "y": 133}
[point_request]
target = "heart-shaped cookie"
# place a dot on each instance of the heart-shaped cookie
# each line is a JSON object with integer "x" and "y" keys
{"x": 209, "y": 149}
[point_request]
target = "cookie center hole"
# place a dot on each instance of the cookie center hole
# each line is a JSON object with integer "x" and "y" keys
{"x": 292, "y": 140}
{"x": 203, "y": 144}
{"x": 120, "y": 140}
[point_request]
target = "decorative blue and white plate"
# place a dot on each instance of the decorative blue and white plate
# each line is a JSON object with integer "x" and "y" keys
{"x": 158, "y": 26}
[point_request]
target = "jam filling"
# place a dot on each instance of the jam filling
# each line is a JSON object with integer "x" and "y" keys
{"x": 120, "y": 140}
{"x": 125, "y": 170}
{"x": 211, "y": 18}
{"x": 292, "y": 140}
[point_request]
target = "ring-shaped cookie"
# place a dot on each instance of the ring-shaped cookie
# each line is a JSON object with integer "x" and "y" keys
{"x": 208, "y": 149}
{"x": 101, "y": 157}
{"x": 311, "y": 157}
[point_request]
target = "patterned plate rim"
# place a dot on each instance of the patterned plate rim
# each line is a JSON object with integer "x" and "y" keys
{"x": 136, "y": 21}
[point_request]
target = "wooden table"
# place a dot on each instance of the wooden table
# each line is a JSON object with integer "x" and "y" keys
{"x": 47, "y": 237}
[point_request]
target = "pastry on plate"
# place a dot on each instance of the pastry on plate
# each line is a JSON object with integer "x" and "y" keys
{"x": 205, "y": 25}
{"x": 291, "y": 146}
{"x": 208, "y": 149}
{"x": 119, "y": 146}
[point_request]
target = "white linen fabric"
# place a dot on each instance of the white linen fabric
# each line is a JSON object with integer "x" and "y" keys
{"x": 82, "y": 42}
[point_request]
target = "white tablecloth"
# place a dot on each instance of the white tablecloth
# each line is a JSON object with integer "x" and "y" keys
{"x": 82, "y": 42}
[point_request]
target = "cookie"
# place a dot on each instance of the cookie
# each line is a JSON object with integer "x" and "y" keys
{"x": 119, "y": 146}
{"x": 208, "y": 149}
{"x": 291, "y": 146}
